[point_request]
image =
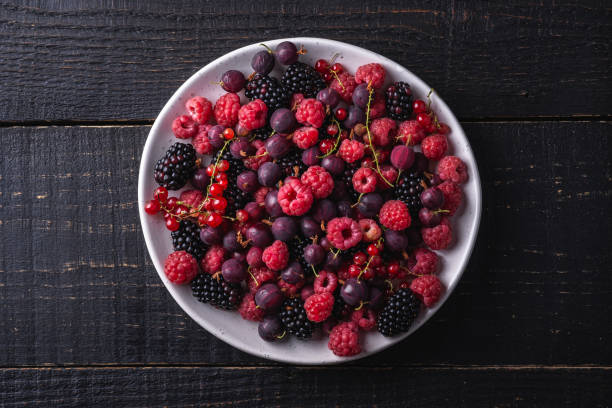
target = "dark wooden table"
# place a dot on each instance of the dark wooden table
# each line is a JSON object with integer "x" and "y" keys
{"x": 84, "y": 318}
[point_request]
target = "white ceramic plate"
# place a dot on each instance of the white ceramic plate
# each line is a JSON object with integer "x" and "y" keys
{"x": 229, "y": 326}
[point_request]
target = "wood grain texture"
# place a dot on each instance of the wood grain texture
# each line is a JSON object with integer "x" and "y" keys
{"x": 77, "y": 287}
{"x": 106, "y": 59}
{"x": 305, "y": 387}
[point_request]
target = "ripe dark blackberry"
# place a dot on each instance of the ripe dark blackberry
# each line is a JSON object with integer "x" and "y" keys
{"x": 409, "y": 188}
{"x": 176, "y": 167}
{"x": 399, "y": 313}
{"x": 236, "y": 199}
{"x": 187, "y": 238}
{"x": 341, "y": 310}
{"x": 347, "y": 179}
{"x": 398, "y": 100}
{"x": 296, "y": 252}
{"x": 216, "y": 291}
{"x": 292, "y": 160}
{"x": 269, "y": 90}
{"x": 261, "y": 133}
{"x": 302, "y": 78}
{"x": 293, "y": 316}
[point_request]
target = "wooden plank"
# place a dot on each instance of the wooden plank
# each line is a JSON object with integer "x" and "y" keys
{"x": 306, "y": 387}
{"x": 108, "y": 59}
{"x": 77, "y": 287}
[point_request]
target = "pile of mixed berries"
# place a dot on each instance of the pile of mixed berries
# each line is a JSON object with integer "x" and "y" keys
{"x": 320, "y": 209}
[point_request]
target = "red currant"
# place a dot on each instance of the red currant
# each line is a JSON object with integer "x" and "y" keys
{"x": 210, "y": 170}
{"x": 344, "y": 134}
{"x": 220, "y": 176}
{"x": 219, "y": 204}
{"x": 242, "y": 215}
{"x": 332, "y": 130}
{"x": 216, "y": 190}
{"x": 419, "y": 106}
{"x": 393, "y": 269}
{"x": 337, "y": 68}
{"x": 423, "y": 119}
{"x": 443, "y": 129}
{"x": 376, "y": 260}
{"x": 404, "y": 285}
{"x": 341, "y": 113}
{"x": 354, "y": 271}
{"x": 368, "y": 273}
{"x": 321, "y": 65}
{"x": 172, "y": 224}
{"x": 152, "y": 207}
{"x": 167, "y": 215}
{"x": 328, "y": 76}
{"x": 160, "y": 194}
{"x": 326, "y": 145}
{"x": 367, "y": 162}
{"x": 228, "y": 133}
{"x": 359, "y": 258}
{"x": 223, "y": 183}
{"x": 202, "y": 220}
{"x": 372, "y": 250}
{"x": 214, "y": 220}
{"x": 171, "y": 203}
{"x": 181, "y": 210}
{"x": 223, "y": 165}
{"x": 208, "y": 204}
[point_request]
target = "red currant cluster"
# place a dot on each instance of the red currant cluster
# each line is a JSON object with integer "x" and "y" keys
{"x": 327, "y": 71}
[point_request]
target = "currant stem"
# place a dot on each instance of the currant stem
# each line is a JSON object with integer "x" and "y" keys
{"x": 371, "y": 92}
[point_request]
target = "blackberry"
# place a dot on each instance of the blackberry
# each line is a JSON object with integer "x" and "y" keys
{"x": 269, "y": 90}
{"x": 340, "y": 310}
{"x": 293, "y": 316}
{"x": 261, "y": 133}
{"x": 292, "y": 160}
{"x": 347, "y": 179}
{"x": 399, "y": 101}
{"x": 409, "y": 188}
{"x": 187, "y": 238}
{"x": 176, "y": 167}
{"x": 296, "y": 252}
{"x": 399, "y": 313}
{"x": 302, "y": 78}
{"x": 216, "y": 291}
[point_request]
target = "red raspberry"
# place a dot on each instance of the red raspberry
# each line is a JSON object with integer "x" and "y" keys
{"x": 295, "y": 198}
{"x": 427, "y": 288}
{"x": 310, "y": 113}
{"x": 260, "y": 276}
{"x": 364, "y": 318}
{"x": 199, "y": 108}
{"x": 180, "y": 267}
{"x": 319, "y": 306}
{"x": 370, "y": 230}
{"x": 296, "y": 99}
{"x": 344, "y": 340}
{"x": 364, "y": 180}
{"x": 452, "y": 196}
{"x": 453, "y": 169}
{"x": 260, "y": 157}
{"x": 192, "y": 198}
{"x": 253, "y": 115}
{"x": 389, "y": 173}
{"x": 226, "y": 110}
{"x": 213, "y": 259}
{"x": 184, "y": 127}
{"x": 373, "y": 74}
{"x": 325, "y": 282}
{"x": 377, "y": 107}
{"x": 253, "y": 257}
{"x": 410, "y": 132}
{"x": 249, "y": 310}
{"x": 289, "y": 289}
{"x": 201, "y": 142}
{"x": 276, "y": 255}
{"x": 434, "y": 146}
{"x": 345, "y": 85}
{"x": 319, "y": 180}
{"x": 260, "y": 194}
{"x": 305, "y": 137}
{"x": 343, "y": 233}
{"x": 383, "y": 131}
{"x": 351, "y": 150}
{"x": 426, "y": 262}
{"x": 438, "y": 237}
{"x": 395, "y": 215}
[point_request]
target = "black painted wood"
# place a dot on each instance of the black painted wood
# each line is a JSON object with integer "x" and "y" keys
{"x": 77, "y": 287}
{"x": 107, "y": 59}
{"x": 306, "y": 387}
